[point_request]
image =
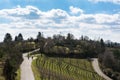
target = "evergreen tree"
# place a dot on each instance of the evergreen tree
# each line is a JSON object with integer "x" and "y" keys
{"x": 20, "y": 37}
{"x": 8, "y": 38}
{"x": 70, "y": 36}
{"x": 82, "y": 38}
{"x": 16, "y": 38}
{"x": 102, "y": 44}
{"x": 39, "y": 36}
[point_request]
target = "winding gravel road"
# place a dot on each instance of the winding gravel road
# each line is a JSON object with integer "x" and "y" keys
{"x": 26, "y": 70}
{"x": 98, "y": 70}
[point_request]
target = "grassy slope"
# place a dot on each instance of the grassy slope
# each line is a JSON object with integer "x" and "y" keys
{"x": 1, "y": 77}
{"x": 70, "y": 69}
{"x": 35, "y": 71}
{"x": 18, "y": 74}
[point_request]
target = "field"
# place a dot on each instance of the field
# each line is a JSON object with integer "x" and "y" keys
{"x": 55, "y": 68}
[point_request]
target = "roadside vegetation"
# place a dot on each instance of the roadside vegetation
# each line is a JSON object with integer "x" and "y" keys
{"x": 18, "y": 74}
{"x": 1, "y": 73}
{"x": 110, "y": 62}
{"x": 35, "y": 70}
{"x": 11, "y": 56}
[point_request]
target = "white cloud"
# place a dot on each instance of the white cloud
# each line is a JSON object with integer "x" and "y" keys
{"x": 30, "y": 20}
{"x": 75, "y": 10}
{"x": 107, "y": 19}
{"x": 112, "y": 1}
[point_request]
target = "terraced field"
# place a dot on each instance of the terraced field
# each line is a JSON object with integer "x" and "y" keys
{"x": 50, "y": 68}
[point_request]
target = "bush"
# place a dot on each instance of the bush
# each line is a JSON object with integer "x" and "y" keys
{"x": 108, "y": 72}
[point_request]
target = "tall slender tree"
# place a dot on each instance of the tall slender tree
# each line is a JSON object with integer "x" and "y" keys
{"x": 16, "y": 38}
{"x": 102, "y": 44}
{"x": 39, "y": 36}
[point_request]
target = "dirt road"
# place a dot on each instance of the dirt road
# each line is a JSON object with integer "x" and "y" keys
{"x": 26, "y": 70}
{"x": 98, "y": 70}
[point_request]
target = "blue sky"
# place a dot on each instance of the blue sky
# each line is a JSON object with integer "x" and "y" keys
{"x": 94, "y": 18}
{"x": 45, "y": 5}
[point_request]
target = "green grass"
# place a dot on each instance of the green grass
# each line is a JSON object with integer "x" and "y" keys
{"x": 35, "y": 71}
{"x": 51, "y": 68}
{"x": 1, "y": 77}
{"x": 18, "y": 74}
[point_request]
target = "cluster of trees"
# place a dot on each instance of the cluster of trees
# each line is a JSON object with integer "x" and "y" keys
{"x": 19, "y": 37}
{"x": 110, "y": 61}
{"x": 11, "y": 56}
{"x": 70, "y": 47}
{"x": 112, "y": 44}
{"x": 8, "y": 38}
{"x": 11, "y": 52}
{"x": 60, "y": 45}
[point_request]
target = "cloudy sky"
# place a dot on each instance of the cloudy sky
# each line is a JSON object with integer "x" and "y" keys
{"x": 94, "y": 18}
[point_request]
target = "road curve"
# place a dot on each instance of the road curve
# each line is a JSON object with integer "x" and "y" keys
{"x": 98, "y": 70}
{"x": 26, "y": 70}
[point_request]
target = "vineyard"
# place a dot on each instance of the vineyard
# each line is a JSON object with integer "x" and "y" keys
{"x": 55, "y": 68}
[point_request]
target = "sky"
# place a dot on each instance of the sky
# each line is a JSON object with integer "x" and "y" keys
{"x": 93, "y": 18}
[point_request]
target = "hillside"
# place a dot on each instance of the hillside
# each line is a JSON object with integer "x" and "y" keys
{"x": 56, "y": 68}
{"x": 60, "y": 56}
